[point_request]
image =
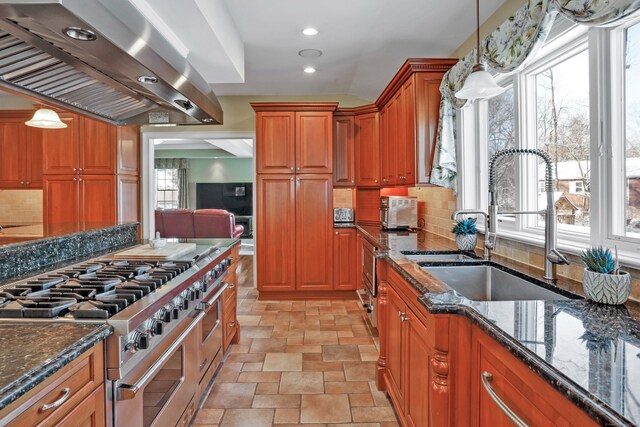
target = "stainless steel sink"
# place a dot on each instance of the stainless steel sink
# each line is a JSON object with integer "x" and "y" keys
{"x": 454, "y": 257}
{"x": 487, "y": 283}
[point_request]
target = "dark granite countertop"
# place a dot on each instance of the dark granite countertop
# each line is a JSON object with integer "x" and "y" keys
{"x": 30, "y": 352}
{"x": 589, "y": 352}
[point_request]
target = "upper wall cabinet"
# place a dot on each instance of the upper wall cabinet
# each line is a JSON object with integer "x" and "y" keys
{"x": 409, "y": 120}
{"x": 85, "y": 146}
{"x": 293, "y": 137}
{"x": 344, "y": 163}
{"x": 21, "y": 148}
{"x": 367, "y": 144}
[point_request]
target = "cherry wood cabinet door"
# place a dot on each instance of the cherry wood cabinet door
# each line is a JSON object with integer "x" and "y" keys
{"x": 427, "y": 114}
{"x": 407, "y": 160}
{"x": 395, "y": 341}
{"x": 60, "y": 199}
{"x": 532, "y": 399}
{"x": 128, "y": 150}
{"x": 275, "y": 142}
{"x": 90, "y": 412}
{"x": 417, "y": 377}
{"x": 343, "y": 152}
{"x": 97, "y": 147}
{"x": 60, "y": 147}
{"x": 385, "y": 165}
{"x": 128, "y": 198}
{"x": 97, "y": 200}
{"x": 13, "y": 152}
{"x": 345, "y": 259}
{"x": 33, "y": 165}
{"x": 367, "y": 150}
{"x": 275, "y": 232}
{"x": 314, "y": 232}
{"x": 314, "y": 142}
{"x": 399, "y": 138}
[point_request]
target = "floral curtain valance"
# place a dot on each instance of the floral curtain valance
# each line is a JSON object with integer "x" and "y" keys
{"x": 596, "y": 12}
{"x": 172, "y": 164}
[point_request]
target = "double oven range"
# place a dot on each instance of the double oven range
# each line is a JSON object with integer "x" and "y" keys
{"x": 167, "y": 326}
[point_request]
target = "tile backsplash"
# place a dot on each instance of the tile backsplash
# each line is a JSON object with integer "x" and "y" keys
{"x": 20, "y": 206}
{"x": 343, "y": 198}
{"x": 435, "y": 206}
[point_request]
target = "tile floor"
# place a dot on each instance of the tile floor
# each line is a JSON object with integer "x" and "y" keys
{"x": 307, "y": 363}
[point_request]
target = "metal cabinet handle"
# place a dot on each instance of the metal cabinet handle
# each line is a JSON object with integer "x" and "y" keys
{"x": 353, "y": 181}
{"x": 487, "y": 377}
{"x": 66, "y": 393}
{"x": 75, "y": 179}
{"x": 375, "y": 180}
{"x": 74, "y": 169}
{"x": 204, "y": 363}
{"x": 232, "y": 324}
{"x": 28, "y": 183}
{"x": 292, "y": 169}
{"x": 231, "y": 286}
{"x": 298, "y": 168}
{"x": 21, "y": 182}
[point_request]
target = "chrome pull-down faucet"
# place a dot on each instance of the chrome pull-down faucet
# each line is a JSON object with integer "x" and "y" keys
{"x": 553, "y": 257}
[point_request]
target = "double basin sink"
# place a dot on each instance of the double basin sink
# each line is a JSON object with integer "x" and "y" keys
{"x": 481, "y": 281}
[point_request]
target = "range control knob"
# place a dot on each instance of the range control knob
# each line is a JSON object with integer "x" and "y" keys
{"x": 156, "y": 327}
{"x": 191, "y": 294}
{"x": 165, "y": 314}
{"x": 227, "y": 262}
{"x": 139, "y": 341}
{"x": 175, "y": 313}
{"x": 197, "y": 293}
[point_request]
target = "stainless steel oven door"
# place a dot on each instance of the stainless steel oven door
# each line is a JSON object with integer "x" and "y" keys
{"x": 158, "y": 391}
{"x": 210, "y": 332}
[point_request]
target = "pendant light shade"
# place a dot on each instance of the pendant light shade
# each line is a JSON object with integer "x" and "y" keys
{"x": 46, "y": 119}
{"x": 479, "y": 84}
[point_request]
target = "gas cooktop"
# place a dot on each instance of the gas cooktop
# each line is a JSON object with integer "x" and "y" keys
{"x": 94, "y": 290}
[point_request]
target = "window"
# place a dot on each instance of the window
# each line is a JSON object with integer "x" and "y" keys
{"x": 167, "y": 188}
{"x": 587, "y": 118}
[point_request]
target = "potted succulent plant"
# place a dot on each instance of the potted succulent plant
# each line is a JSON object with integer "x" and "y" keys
{"x": 466, "y": 234}
{"x": 603, "y": 281}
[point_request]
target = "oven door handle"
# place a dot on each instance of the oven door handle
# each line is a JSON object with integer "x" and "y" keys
{"x": 129, "y": 391}
{"x": 206, "y": 304}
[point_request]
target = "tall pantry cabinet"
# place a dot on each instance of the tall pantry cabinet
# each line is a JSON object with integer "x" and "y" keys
{"x": 294, "y": 228}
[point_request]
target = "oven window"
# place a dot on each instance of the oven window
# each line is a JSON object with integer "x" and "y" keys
{"x": 159, "y": 391}
{"x": 210, "y": 321}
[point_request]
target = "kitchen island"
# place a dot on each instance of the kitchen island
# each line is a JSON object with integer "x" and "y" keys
{"x": 582, "y": 356}
{"x": 58, "y": 369}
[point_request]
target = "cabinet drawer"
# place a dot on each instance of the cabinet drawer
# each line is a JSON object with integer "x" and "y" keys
{"x": 90, "y": 412}
{"x": 70, "y": 388}
{"x": 526, "y": 394}
{"x": 229, "y": 325}
{"x": 230, "y": 297}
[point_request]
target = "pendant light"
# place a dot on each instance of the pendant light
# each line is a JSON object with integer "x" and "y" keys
{"x": 479, "y": 84}
{"x": 46, "y": 119}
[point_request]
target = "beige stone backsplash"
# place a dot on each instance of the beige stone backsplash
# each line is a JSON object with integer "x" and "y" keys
{"x": 20, "y": 206}
{"x": 435, "y": 206}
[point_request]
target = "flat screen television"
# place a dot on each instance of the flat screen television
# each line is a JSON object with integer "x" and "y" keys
{"x": 235, "y": 197}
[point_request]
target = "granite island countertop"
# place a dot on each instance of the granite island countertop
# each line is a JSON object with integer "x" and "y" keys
{"x": 589, "y": 352}
{"x": 31, "y": 352}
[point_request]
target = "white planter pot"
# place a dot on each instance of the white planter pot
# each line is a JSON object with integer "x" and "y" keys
{"x": 466, "y": 242}
{"x": 612, "y": 289}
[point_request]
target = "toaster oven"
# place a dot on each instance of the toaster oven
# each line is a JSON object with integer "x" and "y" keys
{"x": 398, "y": 212}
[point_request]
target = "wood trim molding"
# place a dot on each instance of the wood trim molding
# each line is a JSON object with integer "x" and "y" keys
{"x": 314, "y": 295}
{"x": 411, "y": 66}
{"x": 294, "y": 106}
{"x": 356, "y": 111}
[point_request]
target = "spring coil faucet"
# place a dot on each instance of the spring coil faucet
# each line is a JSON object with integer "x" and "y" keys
{"x": 552, "y": 256}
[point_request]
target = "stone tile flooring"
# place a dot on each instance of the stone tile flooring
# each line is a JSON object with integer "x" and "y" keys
{"x": 308, "y": 363}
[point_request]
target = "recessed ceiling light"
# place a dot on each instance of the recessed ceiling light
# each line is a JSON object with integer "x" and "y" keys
{"x": 148, "y": 80}
{"x": 310, "y": 53}
{"x": 310, "y": 31}
{"x": 80, "y": 34}
{"x": 309, "y": 70}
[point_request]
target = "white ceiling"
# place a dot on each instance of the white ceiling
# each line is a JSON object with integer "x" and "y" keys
{"x": 364, "y": 42}
{"x": 232, "y": 147}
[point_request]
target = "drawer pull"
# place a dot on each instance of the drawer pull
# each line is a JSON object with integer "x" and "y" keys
{"x": 231, "y": 286}
{"x": 66, "y": 392}
{"x": 486, "y": 380}
{"x": 204, "y": 363}
{"x": 232, "y": 324}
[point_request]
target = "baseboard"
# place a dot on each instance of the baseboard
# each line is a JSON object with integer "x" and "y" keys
{"x": 302, "y": 295}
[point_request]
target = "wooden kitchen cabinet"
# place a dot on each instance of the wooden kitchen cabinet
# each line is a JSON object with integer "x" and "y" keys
{"x": 21, "y": 148}
{"x": 313, "y": 232}
{"x": 80, "y": 200}
{"x": 531, "y": 399}
{"x": 409, "y": 119}
{"x": 85, "y": 146}
{"x": 275, "y": 142}
{"x": 275, "y": 232}
{"x": 345, "y": 259}
{"x": 367, "y": 149}
{"x": 344, "y": 161}
{"x": 84, "y": 405}
{"x": 314, "y": 142}
{"x": 128, "y": 198}
{"x": 128, "y": 141}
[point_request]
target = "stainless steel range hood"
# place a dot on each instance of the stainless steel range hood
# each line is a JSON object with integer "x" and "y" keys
{"x": 90, "y": 74}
